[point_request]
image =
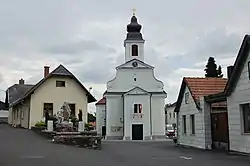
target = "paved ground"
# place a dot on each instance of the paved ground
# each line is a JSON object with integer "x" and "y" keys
{"x": 19, "y": 147}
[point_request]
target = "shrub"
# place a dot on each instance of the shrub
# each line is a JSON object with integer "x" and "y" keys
{"x": 41, "y": 124}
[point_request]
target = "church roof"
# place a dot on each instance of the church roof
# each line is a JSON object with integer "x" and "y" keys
{"x": 134, "y": 30}
{"x": 199, "y": 87}
{"x": 59, "y": 71}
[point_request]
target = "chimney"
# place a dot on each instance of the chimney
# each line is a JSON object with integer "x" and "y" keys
{"x": 46, "y": 71}
{"x": 21, "y": 81}
{"x": 229, "y": 71}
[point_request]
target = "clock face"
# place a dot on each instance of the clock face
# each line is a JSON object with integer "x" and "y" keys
{"x": 134, "y": 64}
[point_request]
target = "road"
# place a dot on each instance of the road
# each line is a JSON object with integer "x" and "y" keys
{"x": 20, "y": 147}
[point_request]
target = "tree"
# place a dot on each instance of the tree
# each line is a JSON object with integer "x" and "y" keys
{"x": 211, "y": 69}
{"x": 91, "y": 117}
{"x": 219, "y": 72}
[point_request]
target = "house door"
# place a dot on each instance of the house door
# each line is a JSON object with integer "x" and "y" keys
{"x": 137, "y": 131}
{"x": 103, "y": 131}
{"x": 220, "y": 135}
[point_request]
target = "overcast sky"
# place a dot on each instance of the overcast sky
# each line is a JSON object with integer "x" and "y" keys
{"x": 87, "y": 38}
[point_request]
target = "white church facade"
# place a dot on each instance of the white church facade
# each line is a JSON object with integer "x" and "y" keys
{"x": 133, "y": 104}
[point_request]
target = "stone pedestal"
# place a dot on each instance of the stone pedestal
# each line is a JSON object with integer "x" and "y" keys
{"x": 50, "y": 125}
{"x": 80, "y": 126}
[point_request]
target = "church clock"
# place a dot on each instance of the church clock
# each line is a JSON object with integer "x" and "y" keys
{"x": 134, "y": 64}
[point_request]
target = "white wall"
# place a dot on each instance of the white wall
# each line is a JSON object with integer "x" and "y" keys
{"x": 49, "y": 93}
{"x": 238, "y": 141}
{"x": 129, "y": 101}
{"x": 201, "y": 122}
{"x": 114, "y": 116}
{"x": 144, "y": 79}
{"x": 128, "y": 50}
{"x": 100, "y": 118}
{"x": 158, "y": 116}
{"x": 173, "y": 118}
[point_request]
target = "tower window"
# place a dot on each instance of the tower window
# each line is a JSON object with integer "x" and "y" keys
{"x": 134, "y": 50}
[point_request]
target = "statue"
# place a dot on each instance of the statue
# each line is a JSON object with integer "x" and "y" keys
{"x": 64, "y": 113}
{"x": 80, "y": 115}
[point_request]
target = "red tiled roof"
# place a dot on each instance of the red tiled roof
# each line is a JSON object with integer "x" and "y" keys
{"x": 101, "y": 102}
{"x": 205, "y": 86}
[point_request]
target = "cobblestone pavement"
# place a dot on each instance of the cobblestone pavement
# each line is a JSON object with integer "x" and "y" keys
{"x": 20, "y": 147}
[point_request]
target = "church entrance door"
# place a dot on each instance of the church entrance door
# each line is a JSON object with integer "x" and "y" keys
{"x": 137, "y": 131}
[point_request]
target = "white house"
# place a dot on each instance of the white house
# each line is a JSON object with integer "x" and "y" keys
{"x": 28, "y": 103}
{"x": 237, "y": 95}
{"x": 194, "y": 114}
{"x": 135, "y": 98}
{"x": 171, "y": 117}
{"x": 101, "y": 117}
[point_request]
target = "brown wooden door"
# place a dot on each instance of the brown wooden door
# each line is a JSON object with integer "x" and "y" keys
{"x": 220, "y": 127}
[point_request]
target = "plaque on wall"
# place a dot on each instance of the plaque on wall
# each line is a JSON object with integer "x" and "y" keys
{"x": 116, "y": 128}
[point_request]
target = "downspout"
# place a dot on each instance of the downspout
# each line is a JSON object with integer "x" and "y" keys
{"x": 29, "y": 114}
{"x": 123, "y": 116}
{"x": 150, "y": 111}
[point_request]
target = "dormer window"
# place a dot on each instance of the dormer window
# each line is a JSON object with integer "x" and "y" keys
{"x": 134, "y": 50}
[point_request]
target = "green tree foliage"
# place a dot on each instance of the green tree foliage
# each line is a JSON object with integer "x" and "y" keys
{"x": 211, "y": 69}
{"x": 91, "y": 117}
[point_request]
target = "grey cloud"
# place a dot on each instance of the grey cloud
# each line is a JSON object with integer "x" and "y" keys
{"x": 82, "y": 46}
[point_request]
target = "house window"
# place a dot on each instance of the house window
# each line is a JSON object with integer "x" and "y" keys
{"x": 60, "y": 83}
{"x": 134, "y": 50}
{"x": 246, "y": 117}
{"x": 174, "y": 115}
{"x": 186, "y": 98}
{"x": 169, "y": 115}
{"x": 137, "y": 108}
{"x": 184, "y": 124}
{"x": 73, "y": 109}
{"x": 48, "y": 107}
{"x": 192, "y": 124}
{"x": 249, "y": 70}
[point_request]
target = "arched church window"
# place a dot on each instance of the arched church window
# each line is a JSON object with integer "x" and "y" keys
{"x": 134, "y": 50}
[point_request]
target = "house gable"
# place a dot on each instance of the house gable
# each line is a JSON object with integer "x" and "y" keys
{"x": 181, "y": 97}
{"x": 240, "y": 67}
{"x": 59, "y": 72}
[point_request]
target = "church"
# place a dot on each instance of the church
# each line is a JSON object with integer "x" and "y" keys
{"x": 132, "y": 107}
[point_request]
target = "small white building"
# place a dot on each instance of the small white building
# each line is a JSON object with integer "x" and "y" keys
{"x": 237, "y": 95}
{"x": 171, "y": 117}
{"x": 134, "y": 98}
{"x": 101, "y": 117}
{"x": 194, "y": 114}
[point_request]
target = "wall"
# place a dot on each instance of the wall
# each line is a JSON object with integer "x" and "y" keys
{"x": 4, "y": 116}
{"x": 173, "y": 118}
{"x": 124, "y": 81}
{"x": 100, "y": 118}
{"x": 129, "y": 101}
{"x": 114, "y": 116}
{"x": 158, "y": 116}
{"x": 128, "y": 50}
{"x": 199, "y": 139}
{"x": 10, "y": 116}
{"x": 238, "y": 140}
{"x": 49, "y": 93}
{"x": 24, "y": 109}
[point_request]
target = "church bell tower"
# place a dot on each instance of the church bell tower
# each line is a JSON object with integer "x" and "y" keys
{"x": 134, "y": 43}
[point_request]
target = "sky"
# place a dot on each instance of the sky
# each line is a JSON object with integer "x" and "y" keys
{"x": 87, "y": 38}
